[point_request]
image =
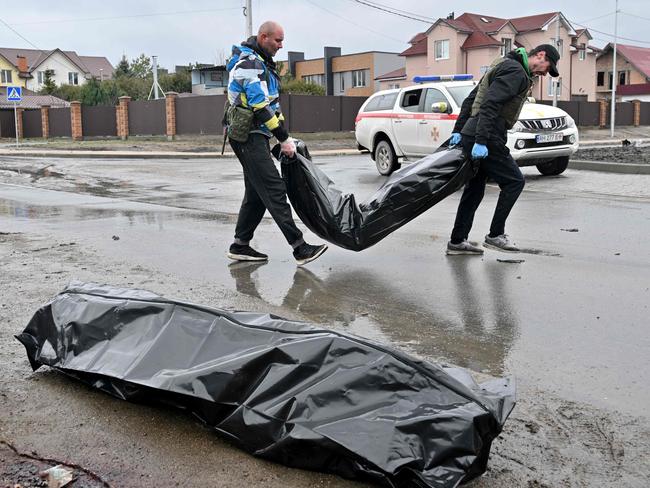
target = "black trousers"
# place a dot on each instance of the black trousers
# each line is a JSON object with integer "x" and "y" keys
{"x": 500, "y": 167}
{"x": 265, "y": 190}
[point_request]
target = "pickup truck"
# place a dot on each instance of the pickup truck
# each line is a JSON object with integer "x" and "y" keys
{"x": 413, "y": 121}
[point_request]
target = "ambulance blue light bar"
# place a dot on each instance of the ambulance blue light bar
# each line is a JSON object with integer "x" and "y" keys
{"x": 424, "y": 79}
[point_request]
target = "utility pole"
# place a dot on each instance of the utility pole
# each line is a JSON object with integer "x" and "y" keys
{"x": 248, "y": 13}
{"x": 155, "y": 86}
{"x": 555, "y": 81}
{"x": 614, "y": 76}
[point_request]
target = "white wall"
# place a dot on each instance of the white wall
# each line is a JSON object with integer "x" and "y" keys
{"x": 61, "y": 66}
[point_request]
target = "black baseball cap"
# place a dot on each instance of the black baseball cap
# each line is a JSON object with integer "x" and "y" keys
{"x": 552, "y": 55}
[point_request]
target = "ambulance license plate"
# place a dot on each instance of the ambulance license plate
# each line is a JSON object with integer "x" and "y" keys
{"x": 539, "y": 138}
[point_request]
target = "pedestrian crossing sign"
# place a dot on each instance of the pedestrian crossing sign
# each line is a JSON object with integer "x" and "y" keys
{"x": 14, "y": 93}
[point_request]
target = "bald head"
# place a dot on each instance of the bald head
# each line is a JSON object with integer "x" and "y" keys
{"x": 270, "y": 36}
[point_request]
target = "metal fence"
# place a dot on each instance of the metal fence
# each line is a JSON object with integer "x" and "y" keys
{"x": 303, "y": 113}
{"x": 147, "y": 117}
{"x": 98, "y": 121}
{"x": 32, "y": 126}
{"x": 199, "y": 115}
{"x": 60, "y": 125}
{"x": 7, "y": 123}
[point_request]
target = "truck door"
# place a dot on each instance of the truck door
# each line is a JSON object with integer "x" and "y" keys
{"x": 405, "y": 122}
{"x": 436, "y": 123}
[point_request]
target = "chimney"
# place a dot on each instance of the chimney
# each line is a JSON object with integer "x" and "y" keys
{"x": 22, "y": 64}
{"x": 450, "y": 16}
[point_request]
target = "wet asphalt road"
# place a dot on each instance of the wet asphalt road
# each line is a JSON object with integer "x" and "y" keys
{"x": 571, "y": 320}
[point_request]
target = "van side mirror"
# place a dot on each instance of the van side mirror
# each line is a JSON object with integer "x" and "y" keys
{"x": 439, "y": 108}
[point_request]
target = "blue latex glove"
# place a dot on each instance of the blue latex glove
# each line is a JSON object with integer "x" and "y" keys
{"x": 455, "y": 139}
{"x": 479, "y": 151}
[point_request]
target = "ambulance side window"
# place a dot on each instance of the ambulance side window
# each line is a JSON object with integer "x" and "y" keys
{"x": 434, "y": 96}
{"x": 387, "y": 101}
{"x": 411, "y": 100}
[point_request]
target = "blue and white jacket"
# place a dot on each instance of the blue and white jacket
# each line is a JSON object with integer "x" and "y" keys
{"x": 253, "y": 82}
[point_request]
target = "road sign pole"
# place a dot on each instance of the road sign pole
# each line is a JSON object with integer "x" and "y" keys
{"x": 16, "y": 121}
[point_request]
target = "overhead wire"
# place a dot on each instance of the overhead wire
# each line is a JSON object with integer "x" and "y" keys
{"x": 393, "y": 11}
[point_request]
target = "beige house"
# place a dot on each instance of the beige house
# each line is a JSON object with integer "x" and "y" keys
{"x": 633, "y": 70}
{"x": 469, "y": 44}
{"x": 348, "y": 74}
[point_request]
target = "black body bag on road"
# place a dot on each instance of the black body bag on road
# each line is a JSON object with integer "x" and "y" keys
{"x": 285, "y": 391}
{"x": 337, "y": 218}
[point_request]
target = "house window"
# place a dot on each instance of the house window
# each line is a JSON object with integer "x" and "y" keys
{"x": 557, "y": 82}
{"x": 5, "y": 76}
{"x": 394, "y": 85}
{"x": 40, "y": 76}
{"x": 600, "y": 79}
{"x": 609, "y": 80}
{"x": 314, "y": 79}
{"x": 582, "y": 52}
{"x": 359, "y": 78}
{"x": 73, "y": 78}
{"x": 559, "y": 43}
{"x": 441, "y": 49}
{"x": 342, "y": 82}
{"x": 622, "y": 77}
{"x": 216, "y": 76}
{"x": 507, "y": 46}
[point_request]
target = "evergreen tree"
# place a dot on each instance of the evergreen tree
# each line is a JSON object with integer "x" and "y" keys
{"x": 123, "y": 68}
{"x": 49, "y": 86}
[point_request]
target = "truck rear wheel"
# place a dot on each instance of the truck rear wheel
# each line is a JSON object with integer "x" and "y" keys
{"x": 553, "y": 167}
{"x": 385, "y": 158}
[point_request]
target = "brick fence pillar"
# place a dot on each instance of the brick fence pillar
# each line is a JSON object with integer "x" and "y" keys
{"x": 170, "y": 111}
{"x": 603, "y": 113}
{"x": 75, "y": 120}
{"x": 45, "y": 121}
{"x": 637, "y": 112}
{"x": 19, "y": 123}
{"x": 122, "y": 117}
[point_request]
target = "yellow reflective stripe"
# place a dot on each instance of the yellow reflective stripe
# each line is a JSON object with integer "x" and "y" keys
{"x": 257, "y": 106}
{"x": 281, "y": 117}
{"x": 244, "y": 102}
{"x": 272, "y": 123}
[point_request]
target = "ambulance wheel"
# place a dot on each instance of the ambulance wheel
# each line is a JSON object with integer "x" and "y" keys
{"x": 554, "y": 167}
{"x": 385, "y": 158}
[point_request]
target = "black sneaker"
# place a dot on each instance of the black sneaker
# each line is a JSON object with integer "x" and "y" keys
{"x": 306, "y": 253}
{"x": 239, "y": 252}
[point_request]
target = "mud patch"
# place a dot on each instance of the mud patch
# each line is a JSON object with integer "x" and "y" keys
{"x": 626, "y": 154}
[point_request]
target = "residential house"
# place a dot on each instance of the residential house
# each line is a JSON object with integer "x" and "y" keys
{"x": 209, "y": 80}
{"x": 28, "y": 67}
{"x": 392, "y": 79}
{"x": 346, "y": 75}
{"x": 471, "y": 42}
{"x": 633, "y": 72}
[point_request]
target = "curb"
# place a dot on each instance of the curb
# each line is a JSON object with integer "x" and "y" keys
{"x": 151, "y": 154}
{"x": 622, "y": 168}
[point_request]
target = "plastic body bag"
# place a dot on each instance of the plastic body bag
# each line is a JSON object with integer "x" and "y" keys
{"x": 282, "y": 390}
{"x": 337, "y": 218}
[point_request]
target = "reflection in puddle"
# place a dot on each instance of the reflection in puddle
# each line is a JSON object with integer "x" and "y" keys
{"x": 471, "y": 323}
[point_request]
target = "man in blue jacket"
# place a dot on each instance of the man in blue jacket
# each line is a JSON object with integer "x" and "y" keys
{"x": 487, "y": 113}
{"x": 253, "y": 117}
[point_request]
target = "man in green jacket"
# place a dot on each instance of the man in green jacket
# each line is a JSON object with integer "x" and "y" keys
{"x": 487, "y": 113}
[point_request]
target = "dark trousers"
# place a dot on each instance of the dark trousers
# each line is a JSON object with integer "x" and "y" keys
{"x": 500, "y": 167}
{"x": 265, "y": 190}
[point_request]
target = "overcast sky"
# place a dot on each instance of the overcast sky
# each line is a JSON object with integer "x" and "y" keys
{"x": 204, "y": 31}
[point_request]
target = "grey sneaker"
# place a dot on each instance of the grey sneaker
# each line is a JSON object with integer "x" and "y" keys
{"x": 500, "y": 243}
{"x": 464, "y": 247}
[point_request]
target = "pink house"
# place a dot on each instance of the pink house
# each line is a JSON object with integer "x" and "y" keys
{"x": 469, "y": 44}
